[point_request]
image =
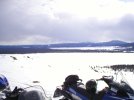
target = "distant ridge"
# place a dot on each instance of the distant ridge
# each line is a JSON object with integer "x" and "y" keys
{"x": 50, "y": 48}
{"x": 91, "y": 44}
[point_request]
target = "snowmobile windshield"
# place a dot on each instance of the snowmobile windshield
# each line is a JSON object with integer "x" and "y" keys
{"x": 119, "y": 83}
{"x": 125, "y": 85}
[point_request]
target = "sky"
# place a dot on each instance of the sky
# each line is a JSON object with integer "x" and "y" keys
{"x": 61, "y": 21}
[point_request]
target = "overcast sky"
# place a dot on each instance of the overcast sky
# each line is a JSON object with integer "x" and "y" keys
{"x": 57, "y": 21}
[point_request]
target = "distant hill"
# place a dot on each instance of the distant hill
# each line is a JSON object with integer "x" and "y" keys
{"x": 121, "y": 46}
{"x": 91, "y": 44}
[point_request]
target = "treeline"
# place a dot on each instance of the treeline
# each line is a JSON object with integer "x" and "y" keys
{"x": 23, "y": 49}
{"x": 123, "y": 67}
{"x": 33, "y": 49}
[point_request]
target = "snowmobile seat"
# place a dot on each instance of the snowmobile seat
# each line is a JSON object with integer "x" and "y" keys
{"x": 81, "y": 91}
{"x": 31, "y": 95}
{"x": 122, "y": 93}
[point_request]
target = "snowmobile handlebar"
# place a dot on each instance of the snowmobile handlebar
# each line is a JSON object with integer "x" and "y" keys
{"x": 107, "y": 79}
{"x": 13, "y": 95}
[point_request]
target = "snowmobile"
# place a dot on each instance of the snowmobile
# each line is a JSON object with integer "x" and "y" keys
{"x": 35, "y": 92}
{"x": 72, "y": 89}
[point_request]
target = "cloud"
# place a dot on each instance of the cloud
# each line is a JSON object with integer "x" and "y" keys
{"x": 40, "y": 22}
{"x": 127, "y": 0}
{"x": 124, "y": 28}
{"x": 121, "y": 29}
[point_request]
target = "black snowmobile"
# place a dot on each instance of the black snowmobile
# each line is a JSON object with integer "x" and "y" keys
{"x": 35, "y": 92}
{"x": 72, "y": 89}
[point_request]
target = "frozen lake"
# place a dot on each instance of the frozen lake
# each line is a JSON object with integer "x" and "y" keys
{"x": 50, "y": 69}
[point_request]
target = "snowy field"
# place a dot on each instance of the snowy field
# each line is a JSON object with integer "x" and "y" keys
{"x": 50, "y": 69}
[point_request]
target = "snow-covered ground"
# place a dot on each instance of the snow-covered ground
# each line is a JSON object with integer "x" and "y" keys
{"x": 50, "y": 69}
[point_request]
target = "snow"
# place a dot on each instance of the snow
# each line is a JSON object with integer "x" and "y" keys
{"x": 50, "y": 69}
{"x": 110, "y": 48}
